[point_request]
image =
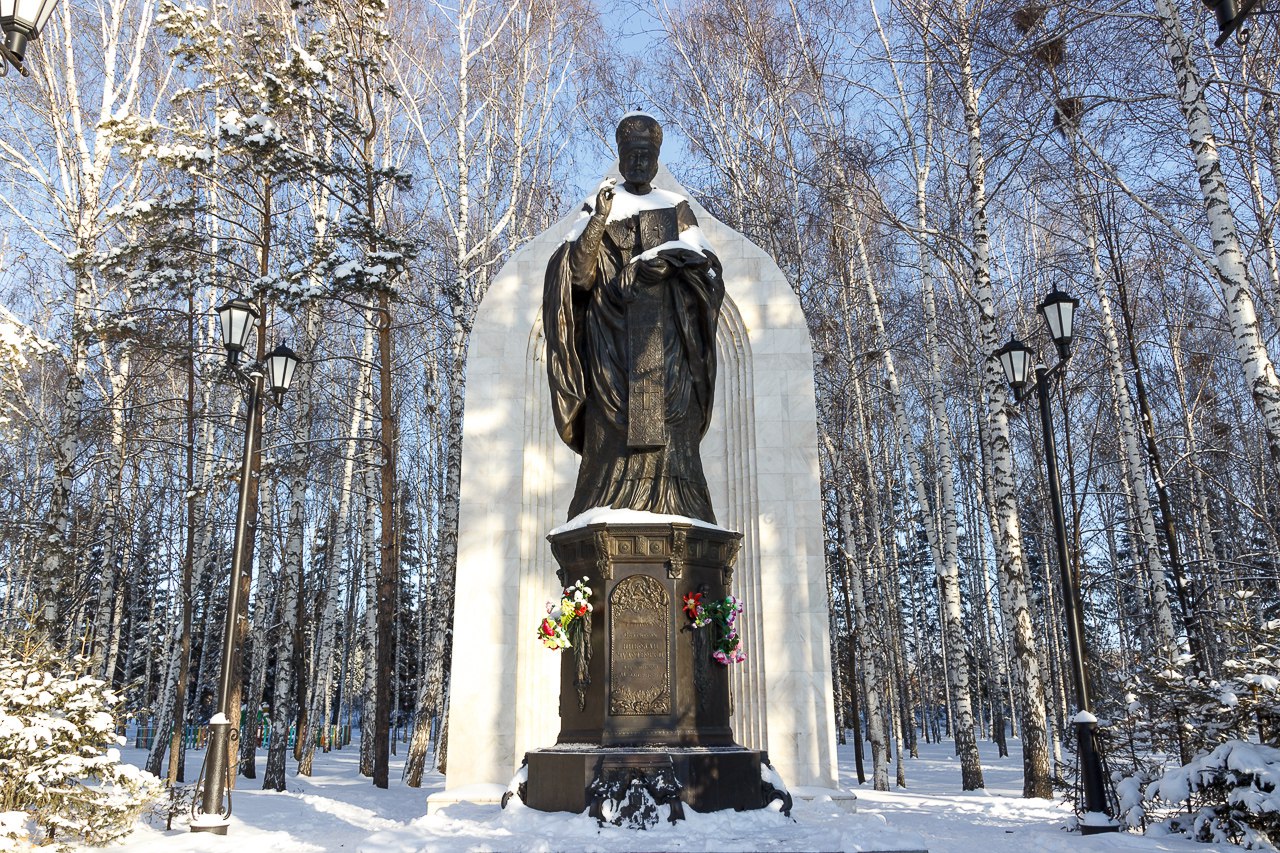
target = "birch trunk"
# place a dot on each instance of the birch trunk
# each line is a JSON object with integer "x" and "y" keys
{"x": 283, "y": 710}
{"x": 946, "y": 547}
{"x": 1233, "y": 276}
{"x": 104, "y": 616}
{"x": 361, "y": 422}
{"x": 874, "y": 561}
{"x": 891, "y": 584}
{"x": 945, "y": 562}
{"x": 449, "y": 521}
{"x": 322, "y": 670}
{"x": 1037, "y": 777}
{"x": 51, "y": 581}
{"x": 182, "y": 647}
{"x": 369, "y": 567}
{"x": 1132, "y": 467}
{"x": 194, "y": 568}
{"x": 164, "y": 717}
{"x": 949, "y": 523}
{"x": 838, "y": 672}
{"x": 291, "y": 581}
{"x": 262, "y": 612}
{"x": 431, "y": 694}
{"x": 116, "y": 620}
{"x": 1190, "y": 619}
{"x": 871, "y": 669}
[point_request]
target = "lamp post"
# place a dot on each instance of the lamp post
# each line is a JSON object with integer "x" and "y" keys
{"x": 1058, "y": 310}
{"x": 22, "y": 21}
{"x": 211, "y": 808}
{"x": 1231, "y": 15}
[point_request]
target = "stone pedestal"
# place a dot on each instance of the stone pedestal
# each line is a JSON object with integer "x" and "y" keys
{"x": 647, "y": 703}
{"x": 571, "y": 779}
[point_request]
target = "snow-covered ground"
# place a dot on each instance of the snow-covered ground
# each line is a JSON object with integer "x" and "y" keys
{"x": 337, "y": 809}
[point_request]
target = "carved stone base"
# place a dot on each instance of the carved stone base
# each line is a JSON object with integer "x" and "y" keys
{"x": 650, "y": 679}
{"x": 575, "y": 779}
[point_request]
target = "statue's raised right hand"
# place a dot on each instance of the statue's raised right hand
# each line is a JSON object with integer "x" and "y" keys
{"x": 604, "y": 198}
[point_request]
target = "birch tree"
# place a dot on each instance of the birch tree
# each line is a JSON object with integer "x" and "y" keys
{"x": 1232, "y": 273}
{"x": 488, "y": 128}
{"x": 943, "y": 531}
{"x": 82, "y": 83}
{"x": 1036, "y": 773}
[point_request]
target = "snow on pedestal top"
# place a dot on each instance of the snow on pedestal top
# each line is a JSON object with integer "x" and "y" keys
{"x": 609, "y": 515}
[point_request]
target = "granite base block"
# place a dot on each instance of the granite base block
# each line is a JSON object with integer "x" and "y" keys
{"x": 711, "y": 778}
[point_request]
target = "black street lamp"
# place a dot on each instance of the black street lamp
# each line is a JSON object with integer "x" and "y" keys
{"x": 22, "y": 21}
{"x": 211, "y": 808}
{"x": 1058, "y": 310}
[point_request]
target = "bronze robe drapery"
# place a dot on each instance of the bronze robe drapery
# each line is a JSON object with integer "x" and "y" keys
{"x": 598, "y": 310}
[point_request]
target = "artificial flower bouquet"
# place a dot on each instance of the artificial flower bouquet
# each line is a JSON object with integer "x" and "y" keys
{"x": 722, "y": 615}
{"x": 566, "y": 618}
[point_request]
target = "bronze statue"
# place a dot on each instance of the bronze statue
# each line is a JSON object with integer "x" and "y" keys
{"x": 629, "y": 311}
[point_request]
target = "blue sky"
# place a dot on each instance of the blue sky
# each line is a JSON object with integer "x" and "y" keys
{"x": 635, "y": 30}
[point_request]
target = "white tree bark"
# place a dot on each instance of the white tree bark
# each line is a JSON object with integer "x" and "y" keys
{"x": 283, "y": 709}
{"x": 1233, "y": 275}
{"x": 369, "y": 570}
{"x": 485, "y": 140}
{"x": 80, "y": 190}
{"x": 262, "y": 611}
{"x": 1037, "y": 779}
{"x": 1133, "y": 466}
{"x": 104, "y": 611}
{"x": 870, "y": 659}
{"x": 945, "y": 562}
{"x": 360, "y": 425}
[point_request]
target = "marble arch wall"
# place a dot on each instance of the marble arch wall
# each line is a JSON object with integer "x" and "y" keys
{"x": 761, "y": 460}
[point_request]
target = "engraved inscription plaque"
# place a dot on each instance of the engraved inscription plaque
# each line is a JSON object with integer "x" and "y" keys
{"x": 639, "y": 648}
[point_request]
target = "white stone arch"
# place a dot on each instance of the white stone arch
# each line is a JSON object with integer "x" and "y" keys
{"x": 761, "y": 459}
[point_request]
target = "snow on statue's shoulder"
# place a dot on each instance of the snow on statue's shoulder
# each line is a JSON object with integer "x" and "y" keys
{"x": 625, "y": 205}
{"x": 609, "y": 515}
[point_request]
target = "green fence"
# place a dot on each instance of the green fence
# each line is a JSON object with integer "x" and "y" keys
{"x": 196, "y": 736}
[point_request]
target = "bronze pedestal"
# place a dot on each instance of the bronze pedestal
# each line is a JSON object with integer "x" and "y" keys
{"x": 644, "y": 702}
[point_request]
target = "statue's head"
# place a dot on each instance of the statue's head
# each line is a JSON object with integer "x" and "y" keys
{"x": 639, "y": 138}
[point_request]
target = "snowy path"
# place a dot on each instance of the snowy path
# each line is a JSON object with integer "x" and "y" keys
{"x": 338, "y": 810}
{"x": 994, "y": 820}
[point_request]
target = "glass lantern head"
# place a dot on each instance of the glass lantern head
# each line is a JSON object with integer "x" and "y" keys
{"x": 238, "y": 317}
{"x": 1016, "y": 358}
{"x": 281, "y": 364}
{"x": 22, "y": 21}
{"x": 1059, "y": 311}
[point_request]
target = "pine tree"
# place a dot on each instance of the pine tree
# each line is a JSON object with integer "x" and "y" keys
{"x": 59, "y": 765}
